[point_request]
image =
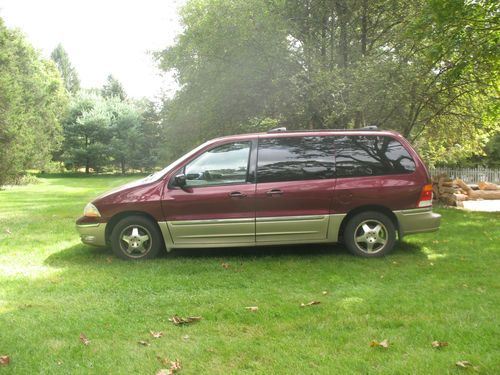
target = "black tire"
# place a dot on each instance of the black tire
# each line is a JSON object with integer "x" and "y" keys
{"x": 376, "y": 239}
{"x": 136, "y": 228}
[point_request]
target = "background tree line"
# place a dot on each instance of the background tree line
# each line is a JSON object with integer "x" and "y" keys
{"x": 426, "y": 68}
{"x": 47, "y": 122}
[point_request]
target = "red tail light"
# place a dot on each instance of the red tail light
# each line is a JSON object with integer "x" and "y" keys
{"x": 425, "y": 199}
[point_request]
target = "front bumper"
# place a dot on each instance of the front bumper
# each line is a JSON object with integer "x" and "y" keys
{"x": 92, "y": 233}
{"x": 417, "y": 220}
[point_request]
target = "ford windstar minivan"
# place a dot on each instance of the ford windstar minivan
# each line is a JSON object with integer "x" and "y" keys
{"x": 363, "y": 187}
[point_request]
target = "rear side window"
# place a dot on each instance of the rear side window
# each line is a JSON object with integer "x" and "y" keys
{"x": 295, "y": 159}
{"x": 371, "y": 156}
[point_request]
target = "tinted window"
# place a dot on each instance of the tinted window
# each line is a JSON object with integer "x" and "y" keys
{"x": 371, "y": 156}
{"x": 225, "y": 164}
{"x": 295, "y": 159}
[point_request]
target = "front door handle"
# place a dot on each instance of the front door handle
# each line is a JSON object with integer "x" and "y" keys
{"x": 274, "y": 192}
{"x": 237, "y": 194}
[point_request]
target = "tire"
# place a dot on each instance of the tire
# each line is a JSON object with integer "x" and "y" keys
{"x": 145, "y": 240}
{"x": 370, "y": 234}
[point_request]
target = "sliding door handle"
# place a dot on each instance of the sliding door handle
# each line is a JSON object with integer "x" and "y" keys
{"x": 237, "y": 194}
{"x": 273, "y": 192}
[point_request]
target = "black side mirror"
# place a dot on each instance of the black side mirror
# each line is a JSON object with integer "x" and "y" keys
{"x": 180, "y": 180}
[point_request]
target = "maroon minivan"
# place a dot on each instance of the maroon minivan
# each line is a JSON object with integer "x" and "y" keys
{"x": 362, "y": 186}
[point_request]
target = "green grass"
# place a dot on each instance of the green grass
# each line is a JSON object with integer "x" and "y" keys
{"x": 437, "y": 286}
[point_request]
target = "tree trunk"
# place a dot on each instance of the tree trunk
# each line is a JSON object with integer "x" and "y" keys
{"x": 122, "y": 163}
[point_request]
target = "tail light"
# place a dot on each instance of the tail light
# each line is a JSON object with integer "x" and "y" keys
{"x": 425, "y": 199}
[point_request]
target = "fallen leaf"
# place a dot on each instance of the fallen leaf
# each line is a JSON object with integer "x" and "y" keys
{"x": 156, "y": 335}
{"x": 464, "y": 364}
{"x": 324, "y": 292}
{"x": 383, "y": 344}
{"x": 84, "y": 339}
{"x": 310, "y": 303}
{"x": 174, "y": 367}
{"x": 177, "y": 320}
{"x": 4, "y": 360}
{"x": 109, "y": 260}
{"x": 8, "y": 231}
{"x": 143, "y": 343}
{"x": 186, "y": 337}
{"x": 252, "y": 308}
{"x": 225, "y": 265}
{"x": 439, "y": 344}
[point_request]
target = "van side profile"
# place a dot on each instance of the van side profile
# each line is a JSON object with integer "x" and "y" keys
{"x": 362, "y": 187}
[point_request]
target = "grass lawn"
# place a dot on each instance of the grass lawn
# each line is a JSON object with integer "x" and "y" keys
{"x": 438, "y": 286}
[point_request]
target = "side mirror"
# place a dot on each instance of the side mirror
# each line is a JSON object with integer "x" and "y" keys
{"x": 180, "y": 180}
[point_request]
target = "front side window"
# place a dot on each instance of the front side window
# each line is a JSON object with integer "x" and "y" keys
{"x": 357, "y": 156}
{"x": 225, "y": 164}
{"x": 295, "y": 159}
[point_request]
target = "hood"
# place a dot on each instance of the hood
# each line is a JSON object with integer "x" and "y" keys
{"x": 130, "y": 185}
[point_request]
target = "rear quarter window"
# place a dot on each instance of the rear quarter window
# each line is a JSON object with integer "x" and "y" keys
{"x": 360, "y": 155}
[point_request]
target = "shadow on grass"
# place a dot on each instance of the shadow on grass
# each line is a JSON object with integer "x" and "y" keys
{"x": 84, "y": 255}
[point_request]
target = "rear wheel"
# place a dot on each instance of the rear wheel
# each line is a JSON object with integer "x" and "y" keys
{"x": 136, "y": 237}
{"x": 370, "y": 234}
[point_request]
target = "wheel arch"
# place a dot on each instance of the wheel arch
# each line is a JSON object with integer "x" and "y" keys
{"x": 119, "y": 216}
{"x": 382, "y": 209}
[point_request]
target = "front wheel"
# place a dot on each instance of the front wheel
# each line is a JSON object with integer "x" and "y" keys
{"x": 370, "y": 234}
{"x": 136, "y": 237}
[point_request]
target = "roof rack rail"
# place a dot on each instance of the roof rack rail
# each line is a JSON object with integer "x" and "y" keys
{"x": 277, "y": 130}
{"x": 283, "y": 130}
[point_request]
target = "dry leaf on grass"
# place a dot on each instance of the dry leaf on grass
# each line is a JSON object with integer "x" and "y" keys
{"x": 143, "y": 343}
{"x": 310, "y": 303}
{"x": 324, "y": 292}
{"x": 174, "y": 367}
{"x": 439, "y": 344}
{"x": 177, "y": 320}
{"x": 252, "y": 308}
{"x": 186, "y": 337}
{"x": 8, "y": 231}
{"x": 84, "y": 339}
{"x": 466, "y": 364}
{"x": 156, "y": 335}
{"x": 225, "y": 265}
{"x": 4, "y": 360}
{"x": 381, "y": 344}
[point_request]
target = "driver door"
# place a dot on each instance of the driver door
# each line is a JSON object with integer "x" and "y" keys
{"x": 217, "y": 204}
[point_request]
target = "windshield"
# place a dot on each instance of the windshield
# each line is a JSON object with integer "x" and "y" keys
{"x": 157, "y": 175}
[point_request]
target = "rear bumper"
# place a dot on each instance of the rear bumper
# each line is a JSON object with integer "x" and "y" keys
{"x": 417, "y": 220}
{"x": 92, "y": 233}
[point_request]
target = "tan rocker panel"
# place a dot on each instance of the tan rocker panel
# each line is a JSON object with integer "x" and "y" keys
{"x": 241, "y": 232}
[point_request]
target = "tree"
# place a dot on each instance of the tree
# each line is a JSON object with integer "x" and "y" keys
{"x": 32, "y": 101}
{"x": 67, "y": 71}
{"x": 125, "y": 143}
{"x": 425, "y": 68}
{"x": 113, "y": 88}
{"x": 87, "y": 132}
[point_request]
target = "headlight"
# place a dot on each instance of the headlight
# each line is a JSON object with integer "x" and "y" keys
{"x": 91, "y": 211}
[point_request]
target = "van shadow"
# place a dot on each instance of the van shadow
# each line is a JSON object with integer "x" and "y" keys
{"x": 81, "y": 254}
